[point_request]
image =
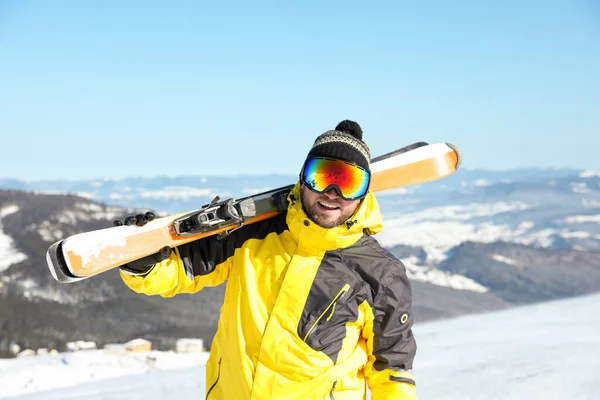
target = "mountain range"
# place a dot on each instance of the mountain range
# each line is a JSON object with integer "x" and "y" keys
{"x": 473, "y": 242}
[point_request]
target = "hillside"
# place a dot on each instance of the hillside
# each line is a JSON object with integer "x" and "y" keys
{"x": 469, "y": 246}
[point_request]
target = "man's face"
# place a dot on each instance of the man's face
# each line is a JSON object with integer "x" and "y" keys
{"x": 327, "y": 210}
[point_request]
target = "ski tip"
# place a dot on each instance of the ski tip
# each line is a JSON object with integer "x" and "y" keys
{"x": 56, "y": 263}
{"x": 458, "y": 154}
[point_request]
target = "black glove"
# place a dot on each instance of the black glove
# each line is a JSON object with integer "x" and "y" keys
{"x": 138, "y": 219}
{"x": 143, "y": 265}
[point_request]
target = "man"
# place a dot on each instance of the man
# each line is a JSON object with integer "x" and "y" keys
{"x": 314, "y": 307}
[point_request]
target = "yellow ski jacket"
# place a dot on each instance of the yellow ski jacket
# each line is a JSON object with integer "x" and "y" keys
{"x": 309, "y": 313}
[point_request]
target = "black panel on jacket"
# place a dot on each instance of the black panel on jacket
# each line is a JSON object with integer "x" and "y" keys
{"x": 195, "y": 254}
{"x": 326, "y": 334}
{"x": 375, "y": 275}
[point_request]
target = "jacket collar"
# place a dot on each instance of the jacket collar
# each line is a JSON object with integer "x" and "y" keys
{"x": 366, "y": 219}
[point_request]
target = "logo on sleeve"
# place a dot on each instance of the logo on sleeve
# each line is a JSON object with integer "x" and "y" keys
{"x": 404, "y": 318}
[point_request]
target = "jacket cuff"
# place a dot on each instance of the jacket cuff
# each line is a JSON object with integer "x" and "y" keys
{"x": 135, "y": 272}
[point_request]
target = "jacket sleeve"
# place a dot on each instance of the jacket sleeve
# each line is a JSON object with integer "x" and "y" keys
{"x": 390, "y": 342}
{"x": 193, "y": 266}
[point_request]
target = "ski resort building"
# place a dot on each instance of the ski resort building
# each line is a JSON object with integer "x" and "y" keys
{"x": 138, "y": 345}
{"x": 189, "y": 346}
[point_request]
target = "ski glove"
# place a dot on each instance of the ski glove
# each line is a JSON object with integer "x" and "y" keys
{"x": 145, "y": 264}
{"x": 138, "y": 219}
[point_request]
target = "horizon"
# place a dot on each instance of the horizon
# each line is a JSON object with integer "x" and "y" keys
{"x": 202, "y": 176}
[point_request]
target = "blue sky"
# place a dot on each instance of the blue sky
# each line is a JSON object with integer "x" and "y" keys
{"x": 124, "y": 88}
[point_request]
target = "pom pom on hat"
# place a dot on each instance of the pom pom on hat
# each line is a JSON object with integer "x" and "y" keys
{"x": 350, "y": 127}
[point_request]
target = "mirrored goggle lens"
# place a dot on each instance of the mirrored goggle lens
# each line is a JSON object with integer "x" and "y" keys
{"x": 322, "y": 173}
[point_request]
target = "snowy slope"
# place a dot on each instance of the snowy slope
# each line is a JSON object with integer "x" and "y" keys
{"x": 8, "y": 254}
{"x": 41, "y": 373}
{"x": 548, "y": 351}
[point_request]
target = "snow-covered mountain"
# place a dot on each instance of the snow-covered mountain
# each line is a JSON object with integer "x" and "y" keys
{"x": 475, "y": 241}
{"x": 542, "y": 207}
{"x": 548, "y": 351}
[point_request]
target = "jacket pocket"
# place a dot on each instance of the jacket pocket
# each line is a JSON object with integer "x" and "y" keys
{"x": 216, "y": 380}
{"x": 329, "y": 311}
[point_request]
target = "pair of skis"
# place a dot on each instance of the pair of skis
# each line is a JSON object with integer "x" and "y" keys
{"x": 87, "y": 254}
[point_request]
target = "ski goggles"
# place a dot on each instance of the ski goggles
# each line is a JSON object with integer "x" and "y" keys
{"x": 350, "y": 181}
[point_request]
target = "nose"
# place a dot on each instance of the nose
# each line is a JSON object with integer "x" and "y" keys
{"x": 332, "y": 194}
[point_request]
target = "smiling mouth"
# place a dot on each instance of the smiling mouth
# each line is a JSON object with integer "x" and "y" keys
{"x": 328, "y": 207}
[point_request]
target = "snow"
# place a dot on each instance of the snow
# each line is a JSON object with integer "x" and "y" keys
{"x": 462, "y": 212}
{"x": 137, "y": 342}
{"x": 51, "y": 294}
{"x": 541, "y": 238}
{"x": 7, "y": 210}
{"x": 89, "y": 207}
{"x": 88, "y": 212}
{"x": 579, "y": 187}
{"x": 434, "y": 276}
{"x": 86, "y": 195}
{"x": 525, "y": 225}
{"x": 576, "y": 235}
{"x": 438, "y": 229}
{"x": 67, "y": 217}
{"x": 81, "y": 345}
{"x": 9, "y": 255}
{"x": 177, "y": 193}
{"x": 547, "y": 351}
{"x": 88, "y": 245}
{"x": 590, "y": 203}
{"x": 589, "y": 174}
{"x": 41, "y": 373}
{"x": 120, "y": 196}
{"x": 52, "y": 192}
{"x": 580, "y": 219}
{"x": 437, "y": 238}
{"x": 505, "y": 260}
{"x": 48, "y": 232}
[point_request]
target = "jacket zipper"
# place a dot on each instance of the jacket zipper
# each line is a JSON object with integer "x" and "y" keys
{"x": 330, "y": 306}
{"x": 331, "y": 392}
{"x": 215, "y": 383}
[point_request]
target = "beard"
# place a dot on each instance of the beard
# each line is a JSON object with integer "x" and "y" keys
{"x": 326, "y": 219}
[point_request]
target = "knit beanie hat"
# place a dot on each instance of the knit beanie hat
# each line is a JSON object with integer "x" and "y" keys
{"x": 344, "y": 143}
